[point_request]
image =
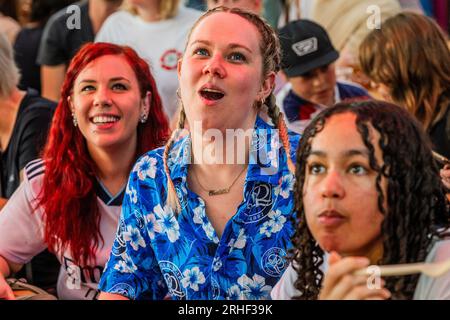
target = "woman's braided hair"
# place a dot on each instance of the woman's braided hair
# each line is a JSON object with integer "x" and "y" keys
{"x": 271, "y": 54}
{"x": 417, "y": 208}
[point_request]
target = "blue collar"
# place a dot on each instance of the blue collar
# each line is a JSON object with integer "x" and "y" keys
{"x": 264, "y": 162}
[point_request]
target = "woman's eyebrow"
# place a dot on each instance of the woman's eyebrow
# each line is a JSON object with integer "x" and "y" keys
{"x": 231, "y": 45}
{"x": 346, "y": 153}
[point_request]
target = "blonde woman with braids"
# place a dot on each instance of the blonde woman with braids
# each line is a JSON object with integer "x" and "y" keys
{"x": 157, "y": 30}
{"x": 196, "y": 227}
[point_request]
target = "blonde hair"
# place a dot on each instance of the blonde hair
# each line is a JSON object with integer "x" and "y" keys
{"x": 167, "y": 8}
{"x": 10, "y": 73}
{"x": 414, "y": 63}
{"x": 271, "y": 54}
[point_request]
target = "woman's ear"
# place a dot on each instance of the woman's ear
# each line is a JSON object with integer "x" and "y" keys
{"x": 70, "y": 103}
{"x": 145, "y": 105}
{"x": 267, "y": 86}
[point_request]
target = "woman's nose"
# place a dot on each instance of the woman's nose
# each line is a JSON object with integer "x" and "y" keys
{"x": 332, "y": 186}
{"x": 215, "y": 67}
{"x": 102, "y": 97}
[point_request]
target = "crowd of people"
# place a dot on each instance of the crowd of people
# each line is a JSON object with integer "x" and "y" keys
{"x": 150, "y": 150}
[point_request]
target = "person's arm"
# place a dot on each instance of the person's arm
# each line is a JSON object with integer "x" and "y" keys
{"x": 6, "y": 268}
{"x": 52, "y": 78}
{"x": 111, "y": 296}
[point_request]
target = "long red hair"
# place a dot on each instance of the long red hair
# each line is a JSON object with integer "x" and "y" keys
{"x": 68, "y": 196}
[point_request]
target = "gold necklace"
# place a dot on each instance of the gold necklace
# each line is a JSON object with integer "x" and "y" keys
{"x": 219, "y": 191}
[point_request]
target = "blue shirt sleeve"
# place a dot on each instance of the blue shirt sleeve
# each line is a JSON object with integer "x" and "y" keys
{"x": 132, "y": 270}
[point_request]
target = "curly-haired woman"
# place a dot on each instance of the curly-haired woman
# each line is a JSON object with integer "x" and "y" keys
{"x": 364, "y": 196}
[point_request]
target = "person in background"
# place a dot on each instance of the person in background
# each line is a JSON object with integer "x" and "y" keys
{"x": 28, "y": 39}
{"x": 255, "y": 6}
{"x": 364, "y": 196}
{"x": 69, "y": 201}
{"x": 413, "y": 70}
{"x": 205, "y": 217}
{"x": 24, "y": 122}
{"x": 157, "y": 30}
{"x": 66, "y": 31}
{"x": 308, "y": 63}
{"x": 8, "y": 20}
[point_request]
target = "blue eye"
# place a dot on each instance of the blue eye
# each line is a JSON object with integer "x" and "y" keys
{"x": 237, "y": 56}
{"x": 201, "y": 52}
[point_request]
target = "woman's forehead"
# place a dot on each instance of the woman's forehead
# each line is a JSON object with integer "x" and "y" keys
{"x": 225, "y": 26}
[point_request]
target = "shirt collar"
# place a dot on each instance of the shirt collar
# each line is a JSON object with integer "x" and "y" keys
{"x": 266, "y": 156}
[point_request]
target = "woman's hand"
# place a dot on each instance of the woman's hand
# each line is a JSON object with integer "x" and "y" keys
{"x": 340, "y": 283}
{"x": 5, "y": 290}
{"x": 445, "y": 175}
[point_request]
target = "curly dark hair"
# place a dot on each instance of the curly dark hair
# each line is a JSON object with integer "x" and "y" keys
{"x": 417, "y": 208}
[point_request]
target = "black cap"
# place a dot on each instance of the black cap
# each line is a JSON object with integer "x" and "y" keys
{"x": 305, "y": 46}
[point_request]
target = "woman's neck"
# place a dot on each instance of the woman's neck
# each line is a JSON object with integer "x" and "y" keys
{"x": 114, "y": 165}
{"x": 99, "y": 10}
{"x": 149, "y": 13}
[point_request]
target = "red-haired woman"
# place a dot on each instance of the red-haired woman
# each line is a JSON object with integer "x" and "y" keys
{"x": 110, "y": 113}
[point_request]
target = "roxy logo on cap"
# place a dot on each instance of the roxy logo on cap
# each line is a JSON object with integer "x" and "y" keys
{"x": 305, "y": 47}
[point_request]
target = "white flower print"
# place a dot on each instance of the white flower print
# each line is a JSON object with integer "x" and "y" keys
{"x": 278, "y": 220}
{"x": 126, "y": 265}
{"x": 287, "y": 185}
{"x": 152, "y": 225}
{"x": 133, "y": 236}
{"x": 192, "y": 278}
{"x": 200, "y": 218}
{"x": 234, "y": 293}
{"x": 255, "y": 288}
{"x": 146, "y": 167}
{"x": 267, "y": 228}
{"x": 274, "y": 225}
{"x": 168, "y": 222}
{"x": 240, "y": 242}
{"x": 131, "y": 192}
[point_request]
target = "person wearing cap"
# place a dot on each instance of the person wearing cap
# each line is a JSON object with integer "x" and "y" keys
{"x": 308, "y": 58}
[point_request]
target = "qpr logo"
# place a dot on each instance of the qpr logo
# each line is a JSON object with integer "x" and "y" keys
{"x": 273, "y": 262}
{"x": 173, "y": 276}
{"x": 304, "y": 47}
{"x": 260, "y": 202}
{"x": 124, "y": 290}
{"x": 169, "y": 59}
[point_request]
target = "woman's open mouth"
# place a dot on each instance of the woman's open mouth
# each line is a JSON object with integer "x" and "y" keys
{"x": 211, "y": 94}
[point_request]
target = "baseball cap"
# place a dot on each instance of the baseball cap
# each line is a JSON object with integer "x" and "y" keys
{"x": 305, "y": 46}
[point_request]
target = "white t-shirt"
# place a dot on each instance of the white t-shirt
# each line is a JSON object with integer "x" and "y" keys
{"x": 160, "y": 43}
{"x": 427, "y": 288}
{"x": 22, "y": 236}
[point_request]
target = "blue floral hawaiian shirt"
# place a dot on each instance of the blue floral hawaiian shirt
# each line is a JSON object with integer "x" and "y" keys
{"x": 158, "y": 254}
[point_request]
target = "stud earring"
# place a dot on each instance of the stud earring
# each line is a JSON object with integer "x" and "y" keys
{"x": 143, "y": 118}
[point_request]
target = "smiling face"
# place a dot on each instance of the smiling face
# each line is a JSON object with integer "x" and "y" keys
{"x": 107, "y": 103}
{"x": 339, "y": 193}
{"x": 316, "y": 86}
{"x": 221, "y": 73}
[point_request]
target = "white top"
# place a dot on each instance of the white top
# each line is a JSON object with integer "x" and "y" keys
{"x": 427, "y": 288}
{"x": 160, "y": 43}
{"x": 22, "y": 236}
